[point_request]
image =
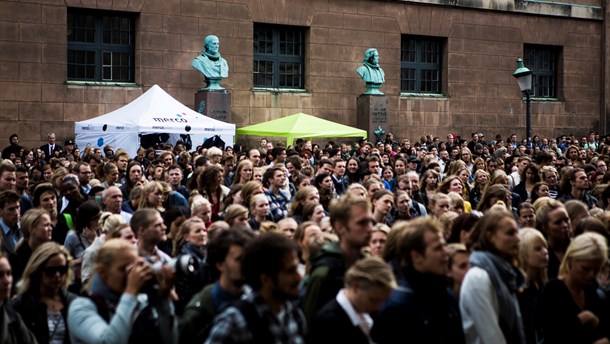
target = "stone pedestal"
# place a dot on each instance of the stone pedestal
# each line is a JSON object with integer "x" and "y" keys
{"x": 214, "y": 104}
{"x": 372, "y": 112}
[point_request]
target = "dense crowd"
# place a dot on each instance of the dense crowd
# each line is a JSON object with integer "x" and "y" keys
{"x": 442, "y": 240}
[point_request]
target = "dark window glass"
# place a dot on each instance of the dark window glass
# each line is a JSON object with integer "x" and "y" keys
{"x": 100, "y": 46}
{"x": 278, "y": 56}
{"x": 421, "y": 64}
{"x": 542, "y": 61}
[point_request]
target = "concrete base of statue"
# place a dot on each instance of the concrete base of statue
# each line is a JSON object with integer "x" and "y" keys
{"x": 213, "y": 85}
{"x": 214, "y": 103}
{"x": 372, "y": 113}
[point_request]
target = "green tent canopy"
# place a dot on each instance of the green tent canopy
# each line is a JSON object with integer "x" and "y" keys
{"x": 301, "y": 125}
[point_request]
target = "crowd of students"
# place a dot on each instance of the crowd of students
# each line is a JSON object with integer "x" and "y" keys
{"x": 443, "y": 240}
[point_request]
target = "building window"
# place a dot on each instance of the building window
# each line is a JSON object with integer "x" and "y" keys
{"x": 421, "y": 64}
{"x": 278, "y": 56}
{"x": 100, "y": 46}
{"x": 542, "y": 61}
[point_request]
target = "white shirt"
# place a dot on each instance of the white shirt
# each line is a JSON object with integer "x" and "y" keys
{"x": 355, "y": 317}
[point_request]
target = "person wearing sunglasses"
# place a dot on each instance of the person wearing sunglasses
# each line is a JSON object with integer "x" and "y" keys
{"x": 43, "y": 298}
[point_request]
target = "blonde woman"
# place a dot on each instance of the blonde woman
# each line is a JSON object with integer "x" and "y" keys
{"x": 534, "y": 259}
{"x": 572, "y": 309}
{"x": 43, "y": 298}
{"x": 152, "y": 196}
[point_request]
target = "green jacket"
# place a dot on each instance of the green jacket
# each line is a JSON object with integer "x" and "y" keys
{"x": 198, "y": 317}
{"x": 325, "y": 280}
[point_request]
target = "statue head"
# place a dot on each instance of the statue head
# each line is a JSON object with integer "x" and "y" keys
{"x": 211, "y": 44}
{"x": 371, "y": 56}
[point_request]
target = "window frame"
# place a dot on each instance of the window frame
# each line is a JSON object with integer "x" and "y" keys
{"x": 276, "y": 58}
{"x": 533, "y": 56}
{"x": 418, "y": 66}
{"x": 99, "y": 48}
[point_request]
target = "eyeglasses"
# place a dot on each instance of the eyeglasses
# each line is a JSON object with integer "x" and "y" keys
{"x": 51, "y": 271}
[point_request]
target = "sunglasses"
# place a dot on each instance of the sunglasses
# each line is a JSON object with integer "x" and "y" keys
{"x": 51, "y": 271}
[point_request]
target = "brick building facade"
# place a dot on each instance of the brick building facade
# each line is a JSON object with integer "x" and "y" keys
{"x": 477, "y": 42}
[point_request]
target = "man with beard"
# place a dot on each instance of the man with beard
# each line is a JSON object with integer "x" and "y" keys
{"x": 268, "y": 314}
{"x": 225, "y": 251}
{"x": 575, "y": 185}
{"x": 352, "y": 219}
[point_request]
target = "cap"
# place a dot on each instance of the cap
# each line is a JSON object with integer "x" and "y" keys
{"x": 69, "y": 142}
{"x": 413, "y": 159}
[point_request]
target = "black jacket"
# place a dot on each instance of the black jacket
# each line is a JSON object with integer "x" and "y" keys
{"x": 422, "y": 309}
{"x": 34, "y": 314}
{"x": 332, "y": 325}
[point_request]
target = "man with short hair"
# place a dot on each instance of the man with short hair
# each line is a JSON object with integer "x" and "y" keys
{"x": 84, "y": 173}
{"x": 50, "y": 148}
{"x": 279, "y": 201}
{"x": 352, "y": 219}
{"x": 174, "y": 176}
{"x": 254, "y": 155}
{"x": 339, "y": 179}
{"x": 22, "y": 184}
{"x": 325, "y": 166}
{"x": 8, "y": 178}
{"x": 228, "y": 162}
{"x": 373, "y": 166}
{"x": 121, "y": 161}
{"x": 422, "y": 306}
{"x": 224, "y": 256}
{"x": 9, "y": 220}
{"x": 94, "y": 161}
{"x": 112, "y": 199}
{"x": 147, "y": 224}
{"x": 268, "y": 314}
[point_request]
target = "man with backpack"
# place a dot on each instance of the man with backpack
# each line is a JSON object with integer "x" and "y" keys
{"x": 269, "y": 314}
{"x": 225, "y": 252}
{"x": 352, "y": 219}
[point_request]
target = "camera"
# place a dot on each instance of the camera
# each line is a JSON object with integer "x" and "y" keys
{"x": 184, "y": 264}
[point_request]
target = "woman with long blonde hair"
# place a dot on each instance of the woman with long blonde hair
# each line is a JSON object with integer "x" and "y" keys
{"x": 43, "y": 297}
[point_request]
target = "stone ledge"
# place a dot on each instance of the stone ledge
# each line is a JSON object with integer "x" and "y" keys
{"x": 539, "y": 7}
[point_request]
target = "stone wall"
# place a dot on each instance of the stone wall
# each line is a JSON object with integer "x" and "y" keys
{"x": 480, "y": 93}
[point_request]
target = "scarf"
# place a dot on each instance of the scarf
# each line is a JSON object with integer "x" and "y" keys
{"x": 506, "y": 280}
{"x": 211, "y": 56}
{"x": 99, "y": 289}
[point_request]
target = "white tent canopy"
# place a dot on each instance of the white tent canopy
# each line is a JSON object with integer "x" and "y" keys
{"x": 155, "y": 111}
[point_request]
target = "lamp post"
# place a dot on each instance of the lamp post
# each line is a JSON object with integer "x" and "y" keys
{"x": 524, "y": 78}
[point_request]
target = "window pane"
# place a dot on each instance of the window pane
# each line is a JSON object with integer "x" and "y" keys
{"x": 278, "y": 56}
{"x": 421, "y": 63}
{"x": 110, "y": 37}
{"x": 542, "y": 61}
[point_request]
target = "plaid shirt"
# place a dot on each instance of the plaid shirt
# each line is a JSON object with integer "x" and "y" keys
{"x": 278, "y": 205}
{"x": 287, "y": 327}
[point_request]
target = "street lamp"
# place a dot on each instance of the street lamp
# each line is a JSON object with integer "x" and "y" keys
{"x": 524, "y": 78}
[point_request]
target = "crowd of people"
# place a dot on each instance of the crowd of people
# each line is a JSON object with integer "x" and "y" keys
{"x": 439, "y": 240}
